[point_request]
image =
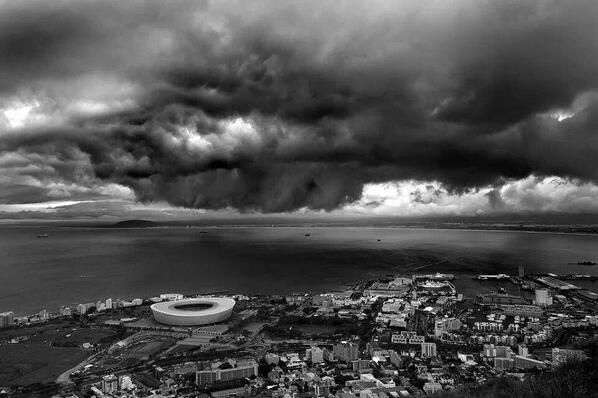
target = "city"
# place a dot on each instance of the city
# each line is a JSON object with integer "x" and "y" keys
{"x": 299, "y": 198}
{"x": 401, "y": 336}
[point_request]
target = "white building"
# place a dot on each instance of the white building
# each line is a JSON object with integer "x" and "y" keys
{"x": 271, "y": 358}
{"x": 44, "y": 315}
{"x": 446, "y": 325}
{"x": 432, "y": 387}
{"x": 428, "y": 350}
{"x": 109, "y": 384}
{"x": 314, "y": 355}
{"x": 171, "y": 296}
{"x": 543, "y": 297}
{"x": 6, "y": 319}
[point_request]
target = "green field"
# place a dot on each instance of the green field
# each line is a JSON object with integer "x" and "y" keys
{"x": 23, "y": 364}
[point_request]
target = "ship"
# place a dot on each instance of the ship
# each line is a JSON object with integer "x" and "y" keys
{"x": 43, "y": 236}
{"x": 487, "y": 277}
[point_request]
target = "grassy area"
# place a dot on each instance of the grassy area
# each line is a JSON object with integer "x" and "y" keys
{"x": 60, "y": 333}
{"x": 23, "y": 364}
{"x": 47, "y": 350}
{"x": 75, "y": 337}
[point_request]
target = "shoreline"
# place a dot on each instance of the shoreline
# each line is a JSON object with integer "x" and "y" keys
{"x": 473, "y": 228}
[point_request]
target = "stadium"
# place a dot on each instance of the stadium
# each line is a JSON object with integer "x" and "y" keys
{"x": 194, "y": 311}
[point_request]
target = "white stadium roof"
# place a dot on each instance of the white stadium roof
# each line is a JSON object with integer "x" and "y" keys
{"x": 193, "y": 311}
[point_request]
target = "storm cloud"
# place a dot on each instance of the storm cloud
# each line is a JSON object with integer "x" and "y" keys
{"x": 278, "y": 106}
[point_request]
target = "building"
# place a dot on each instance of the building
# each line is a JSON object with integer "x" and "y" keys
{"x": 521, "y": 270}
{"x": 432, "y": 387}
{"x": 346, "y": 351}
{"x": 65, "y": 311}
{"x": 84, "y": 308}
{"x": 406, "y": 337}
{"x": 504, "y": 363}
{"x": 100, "y": 306}
{"x": 522, "y": 310}
{"x": 428, "y": 350}
{"x": 7, "y": 319}
{"x": 446, "y": 325}
{"x": 196, "y": 311}
{"x": 243, "y": 370}
{"x": 522, "y": 350}
{"x": 171, "y": 296}
{"x": 109, "y": 384}
{"x": 499, "y": 298}
{"x": 328, "y": 355}
{"x": 271, "y": 359}
{"x": 362, "y": 366}
{"x": 314, "y": 355}
{"x": 499, "y": 351}
{"x": 43, "y": 315}
{"x": 562, "y": 355}
{"x": 543, "y": 297}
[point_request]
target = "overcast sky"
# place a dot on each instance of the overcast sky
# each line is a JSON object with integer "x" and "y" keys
{"x": 108, "y": 109}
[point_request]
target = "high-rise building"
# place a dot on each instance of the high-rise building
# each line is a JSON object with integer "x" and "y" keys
{"x": 346, "y": 351}
{"x": 44, "y": 315}
{"x": 521, "y": 271}
{"x": 428, "y": 350}
{"x": 81, "y": 309}
{"x": 7, "y": 319}
{"x": 109, "y": 384}
{"x": 522, "y": 350}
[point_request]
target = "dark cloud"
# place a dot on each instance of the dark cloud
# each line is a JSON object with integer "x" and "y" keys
{"x": 276, "y": 106}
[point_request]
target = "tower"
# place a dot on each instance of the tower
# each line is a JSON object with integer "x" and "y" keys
{"x": 521, "y": 271}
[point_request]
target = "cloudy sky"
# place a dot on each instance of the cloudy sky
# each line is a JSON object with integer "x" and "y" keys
{"x": 182, "y": 109}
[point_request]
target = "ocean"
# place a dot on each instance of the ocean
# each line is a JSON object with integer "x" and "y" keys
{"x": 75, "y": 264}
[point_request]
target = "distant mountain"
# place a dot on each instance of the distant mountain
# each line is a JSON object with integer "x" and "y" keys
{"x": 134, "y": 224}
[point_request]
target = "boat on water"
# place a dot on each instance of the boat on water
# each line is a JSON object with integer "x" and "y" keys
{"x": 586, "y": 263}
{"x": 43, "y": 236}
{"x": 488, "y": 277}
